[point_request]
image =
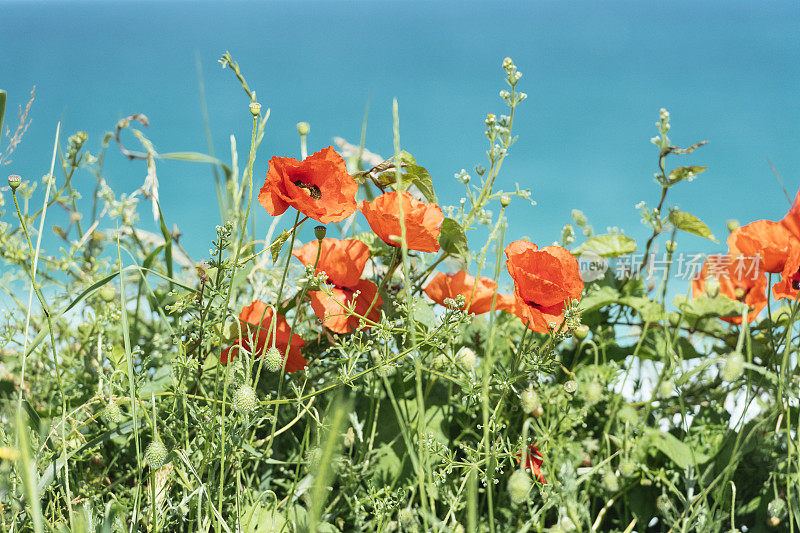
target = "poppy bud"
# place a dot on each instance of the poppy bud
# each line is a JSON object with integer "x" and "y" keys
{"x": 505, "y": 200}
{"x": 732, "y": 224}
{"x": 712, "y": 287}
{"x": 255, "y": 108}
{"x": 245, "y": 400}
{"x": 155, "y": 454}
{"x": 593, "y": 392}
{"x": 665, "y": 389}
{"x": 529, "y": 400}
{"x": 319, "y": 232}
{"x": 610, "y": 482}
{"x": 112, "y": 414}
{"x": 670, "y": 246}
{"x": 627, "y": 468}
{"x": 303, "y": 128}
{"x": 273, "y": 359}
{"x": 733, "y": 367}
{"x": 14, "y": 181}
{"x": 519, "y": 485}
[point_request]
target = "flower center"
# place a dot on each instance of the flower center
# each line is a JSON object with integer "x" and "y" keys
{"x": 796, "y": 280}
{"x": 313, "y": 190}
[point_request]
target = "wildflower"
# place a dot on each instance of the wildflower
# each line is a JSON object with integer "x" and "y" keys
{"x": 318, "y": 186}
{"x": 737, "y": 280}
{"x": 478, "y": 294}
{"x": 343, "y": 261}
{"x": 249, "y": 319}
{"x": 423, "y": 221}
{"x": 769, "y": 240}
{"x": 533, "y": 462}
{"x": 545, "y": 281}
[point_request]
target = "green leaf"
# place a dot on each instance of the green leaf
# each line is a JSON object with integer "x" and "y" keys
{"x": 277, "y": 244}
{"x": 453, "y": 240}
{"x": 167, "y": 241}
{"x": 2, "y": 111}
{"x": 407, "y": 158}
{"x": 679, "y": 452}
{"x": 422, "y": 180}
{"x": 704, "y": 306}
{"x": 684, "y": 173}
{"x": 196, "y": 157}
{"x": 691, "y": 224}
{"x": 609, "y": 245}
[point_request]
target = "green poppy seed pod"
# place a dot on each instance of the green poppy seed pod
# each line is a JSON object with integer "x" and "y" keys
{"x": 529, "y": 400}
{"x": 319, "y": 232}
{"x": 255, "y": 108}
{"x": 505, "y": 200}
{"x": 571, "y": 386}
{"x": 245, "y": 400}
{"x": 273, "y": 359}
{"x": 155, "y": 454}
{"x": 519, "y": 486}
{"x": 712, "y": 287}
{"x": 670, "y": 246}
{"x": 303, "y": 128}
{"x": 580, "y": 333}
{"x": 14, "y": 181}
{"x": 733, "y": 367}
{"x": 732, "y": 224}
{"x": 112, "y": 414}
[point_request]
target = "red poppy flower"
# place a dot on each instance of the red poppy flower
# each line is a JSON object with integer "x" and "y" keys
{"x": 544, "y": 281}
{"x": 478, "y": 294}
{"x": 423, "y": 221}
{"x": 533, "y": 462}
{"x": 343, "y": 260}
{"x": 318, "y": 186}
{"x": 769, "y": 241}
{"x": 739, "y": 279}
{"x": 249, "y": 319}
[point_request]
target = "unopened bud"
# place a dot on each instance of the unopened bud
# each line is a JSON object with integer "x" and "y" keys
{"x": 505, "y": 200}
{"x": 529, "y": 400}
{"x": 519, "y": 485}
{"x": 13, "y": 181}
{"x": 319, "y": 232}
{"x": 732, "y": 224}
{"x": 508, "y": 63}
{"x": 273, "y": 359}
{"x": 303, "y": 128}
{"x": 733, "y": 367}
{"x": 670, "y": 246}
{"x": 712, "y": 287}
{"x": 155, "y": 454}
{"x": 255, "y": 108}
{"x": 245, "y": 400}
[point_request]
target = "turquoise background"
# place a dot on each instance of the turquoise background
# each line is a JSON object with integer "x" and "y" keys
{"x": 596, "y": 74}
